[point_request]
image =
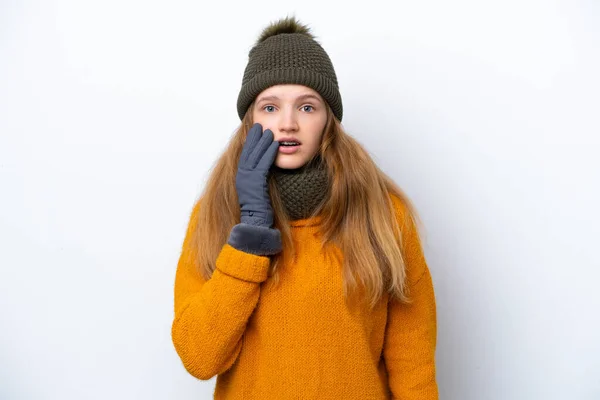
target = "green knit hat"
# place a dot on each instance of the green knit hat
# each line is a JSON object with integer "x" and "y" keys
{"x": 286, "y": 52}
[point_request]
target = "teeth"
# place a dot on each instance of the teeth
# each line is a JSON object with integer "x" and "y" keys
{"x": 289, "y": 143}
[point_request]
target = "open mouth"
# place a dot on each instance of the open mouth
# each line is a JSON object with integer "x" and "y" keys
{"x": 289, "y": 144}
{"x": 289, "y": 149}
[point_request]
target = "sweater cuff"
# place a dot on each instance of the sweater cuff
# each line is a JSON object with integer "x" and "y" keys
{"x": 258, "y": 240}
{"x": 241, "y": 265}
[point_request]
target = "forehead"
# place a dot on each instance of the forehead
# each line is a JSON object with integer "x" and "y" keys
{"x": 288, "y": 91}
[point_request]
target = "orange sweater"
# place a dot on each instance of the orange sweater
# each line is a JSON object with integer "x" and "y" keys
{"x": 299, "y": 340}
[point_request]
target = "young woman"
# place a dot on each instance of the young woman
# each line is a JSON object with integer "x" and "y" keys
{"x": 302, "y": 274}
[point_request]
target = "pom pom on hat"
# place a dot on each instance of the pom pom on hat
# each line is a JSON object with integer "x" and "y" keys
{"x": 284, "y": 25}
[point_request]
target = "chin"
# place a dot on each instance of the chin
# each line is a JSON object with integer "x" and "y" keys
{"x": 289, "y": 162}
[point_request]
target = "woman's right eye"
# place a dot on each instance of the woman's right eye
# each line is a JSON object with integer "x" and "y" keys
{"x": 267, "y": 108}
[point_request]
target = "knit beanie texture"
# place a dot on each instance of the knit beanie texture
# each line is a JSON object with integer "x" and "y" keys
{"x": 287, "y": 53}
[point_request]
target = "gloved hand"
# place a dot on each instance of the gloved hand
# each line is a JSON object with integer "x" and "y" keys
{"x": 258, "y": 154}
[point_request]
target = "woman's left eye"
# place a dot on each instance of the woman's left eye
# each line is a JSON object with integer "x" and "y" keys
{"x": 311, "y": 108}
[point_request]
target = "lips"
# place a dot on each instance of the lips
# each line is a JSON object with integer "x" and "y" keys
{"x": 289, "y": 139}
{"x": 288, "y": 149}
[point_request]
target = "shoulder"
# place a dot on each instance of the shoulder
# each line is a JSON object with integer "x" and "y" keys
{"x": 196, "y": 207}
{"x": 403, "y": 211}
{"x": 411, "y": 244}
{"x": 195, "y": 211}
{"x": 193, "y": 221}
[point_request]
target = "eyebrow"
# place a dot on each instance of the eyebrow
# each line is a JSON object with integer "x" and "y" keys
{"x": 302, "y": 97}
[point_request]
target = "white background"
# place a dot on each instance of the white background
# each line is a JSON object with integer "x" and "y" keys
{"x": 112, "y": 113}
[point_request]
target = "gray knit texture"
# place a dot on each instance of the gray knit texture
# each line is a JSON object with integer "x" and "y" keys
{"x": 289, "y": 58}
{"x": 302, "y": 190}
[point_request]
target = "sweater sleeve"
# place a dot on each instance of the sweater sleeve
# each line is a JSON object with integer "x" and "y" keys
{"x": 211, "y": 315}
{"x": 411, "y": 330}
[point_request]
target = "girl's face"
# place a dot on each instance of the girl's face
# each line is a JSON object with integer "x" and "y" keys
{"x": 292, "y": 113}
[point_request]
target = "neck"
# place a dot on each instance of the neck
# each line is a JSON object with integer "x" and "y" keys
{"x": 302, "y": 190}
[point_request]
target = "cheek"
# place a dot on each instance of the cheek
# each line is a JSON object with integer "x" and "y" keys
{"x": 317, "y": 128}
{"x": 316, "y": 138}
{"x": 265, "y": 121}
{"x": 317, "y": 123}
{"x": 256, "y": 118}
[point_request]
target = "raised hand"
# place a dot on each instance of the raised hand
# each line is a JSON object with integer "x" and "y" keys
{"x": 258, "y": 154}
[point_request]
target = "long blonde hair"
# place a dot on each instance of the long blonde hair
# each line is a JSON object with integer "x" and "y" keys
{"x": 358, "y": 216}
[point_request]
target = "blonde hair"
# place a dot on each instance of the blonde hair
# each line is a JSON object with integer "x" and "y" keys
{"x": 358, "y": 217}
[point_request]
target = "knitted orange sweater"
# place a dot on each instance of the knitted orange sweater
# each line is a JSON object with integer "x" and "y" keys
{"x": 300, "y": 340}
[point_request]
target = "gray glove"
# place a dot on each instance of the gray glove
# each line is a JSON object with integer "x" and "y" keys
{"x": 257, "y": 156}
{"x": 255, "y": 234}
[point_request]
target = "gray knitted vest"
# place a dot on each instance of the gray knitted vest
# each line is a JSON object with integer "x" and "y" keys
{"x": 303, "y": 189}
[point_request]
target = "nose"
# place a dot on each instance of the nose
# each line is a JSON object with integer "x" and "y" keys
{"x": 288, "y": 121}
